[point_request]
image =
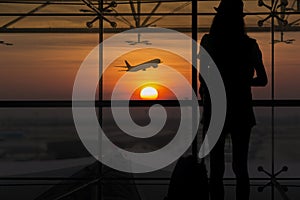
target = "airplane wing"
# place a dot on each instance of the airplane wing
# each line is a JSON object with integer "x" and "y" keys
{"x": 120, "y": 66}
{"x": 122, "y": 70}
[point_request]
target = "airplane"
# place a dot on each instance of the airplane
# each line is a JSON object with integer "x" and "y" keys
{"x": 143, "y": 66}
{"x": 6, "y": 43}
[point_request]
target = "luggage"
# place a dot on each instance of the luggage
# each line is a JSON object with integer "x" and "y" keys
{"x": 189, "y": 180}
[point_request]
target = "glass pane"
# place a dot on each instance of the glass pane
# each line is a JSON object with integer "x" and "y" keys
{"x": 287, "y": 141}
{"x": 151, "y": 14}
{"x": 42, "y": 66}
{"x": 79, "y": 12}
{"x": 156, "y": 76}
{"x": 263, "y": 39}
{"x": 254, "y": 193}
{"x": 287, "y": 65}
{"x": 292, "y": 190}
{"x": 22, "y": 192}
{"x": 141, "y": 118}
{"x": 286, "y": 150}
{"x": 40, "y": 142}
{"x": 260, "y": 142}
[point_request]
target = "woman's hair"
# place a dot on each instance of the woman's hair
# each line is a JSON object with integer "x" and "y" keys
{"x": 223, "y": 26}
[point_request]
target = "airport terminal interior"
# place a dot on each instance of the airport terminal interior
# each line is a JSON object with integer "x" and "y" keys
{"x": 45, "y": 43}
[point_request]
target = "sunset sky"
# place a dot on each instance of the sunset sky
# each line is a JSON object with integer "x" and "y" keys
{"x": 44, "y": 66}
{"x": 145, "y": 78}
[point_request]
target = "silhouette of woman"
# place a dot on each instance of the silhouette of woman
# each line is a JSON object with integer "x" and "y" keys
{"x": 238, "y": 59}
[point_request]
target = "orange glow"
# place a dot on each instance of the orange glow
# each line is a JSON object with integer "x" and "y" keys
{"x": 149, "y": 93}
{"x": 151, "y": 77}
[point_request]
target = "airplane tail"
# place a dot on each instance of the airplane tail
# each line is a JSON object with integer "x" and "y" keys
{"x": 127, "y": 64}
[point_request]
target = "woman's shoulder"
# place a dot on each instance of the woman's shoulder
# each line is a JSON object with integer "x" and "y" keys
{"x": 207, "y": 36}
{"x": 250, "y": 40}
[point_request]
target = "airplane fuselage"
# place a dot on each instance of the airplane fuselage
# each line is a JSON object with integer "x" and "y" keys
{"x": 145, "y": 65}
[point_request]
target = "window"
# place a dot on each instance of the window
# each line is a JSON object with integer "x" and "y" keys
{"x": 43, "y": 44}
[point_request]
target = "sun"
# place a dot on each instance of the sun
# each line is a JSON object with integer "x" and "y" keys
{"x": 149, "y": 93}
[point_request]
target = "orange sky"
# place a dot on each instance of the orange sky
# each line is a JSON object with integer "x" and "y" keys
{"x": 144, "y": 78}
{"x": 44, "y": 66}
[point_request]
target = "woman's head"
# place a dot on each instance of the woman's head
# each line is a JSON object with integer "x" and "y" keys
{"x": 229, "y": 20}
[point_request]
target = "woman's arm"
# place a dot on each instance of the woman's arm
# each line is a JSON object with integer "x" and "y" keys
{"x": 261, "y": 78}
